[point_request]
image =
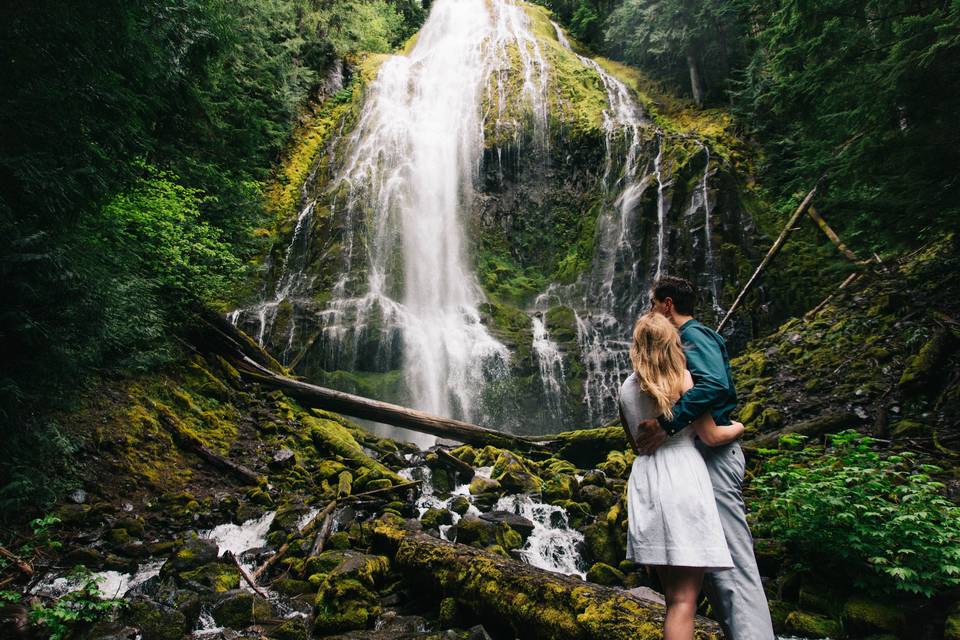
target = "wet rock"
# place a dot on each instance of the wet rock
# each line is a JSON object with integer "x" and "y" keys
{"x": 599, "y": 498}
{"x": 282, "y": 459}
{"x": 513, "y": 475}
{"x": 474, "y": 531}
{"x": 594, "y": 477}
{"x": 862, "y": 616}
{"x": 434, "y": 517}
{"x": 602, "y": 573}
{"x": 479, "y": 485}
{"x": 343, "y": 604}
{"x": 155, "y": 621}
{"x": 559, "y": 487}
{"x": 617, "y": 464}
{"x": 291, "y": 587}
{"x": 194, "y": 553}
{"x": 218, "y": 576}
{"x": 577, "y": 512}
{"x": 87, "y": 556}
{"x": 78, "y": 497}
{"x": 812, "y": 625}
{"x": 460, "y": 505}
{"x": 524, "y": 526}
{"x": 779, "y": 610}
{"x": 106, "y": 630}
{"x": 600, "y": 544}
{"x": 292, "y": 629}
{"x": 238, "y": 609}
{"x": 339, "y": 540}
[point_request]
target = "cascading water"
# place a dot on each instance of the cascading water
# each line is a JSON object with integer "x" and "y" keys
{"x": 409, "y": 176}
{"x": 550, "y": 363}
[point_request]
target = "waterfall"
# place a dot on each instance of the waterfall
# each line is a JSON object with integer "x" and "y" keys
{"x": 550, "y": 363}
{"x": 661, "y": 212}
{"x": 405, "y": 187}
{"x": 711, "y": 267}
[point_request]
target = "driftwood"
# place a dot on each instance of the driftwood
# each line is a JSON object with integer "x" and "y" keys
{"x": 248, "y": 578}
{"x": 515, "y": 599}
{"x": 321, "y": 515}
{"x": 777, "y": 245}
{"x": 360, "y": 407}
{"x": 832, "y": 235}
{"x": 22, "y": 565}
{"x": 190, "y": 443}
{"x": 230, "y": 339}
{"x": 853, "y": 277}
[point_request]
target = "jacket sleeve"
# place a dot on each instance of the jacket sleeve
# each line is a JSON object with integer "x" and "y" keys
{"x": 710, "y": 384}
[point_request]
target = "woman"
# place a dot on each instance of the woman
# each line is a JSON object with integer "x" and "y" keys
{"x": 673, "y": 521}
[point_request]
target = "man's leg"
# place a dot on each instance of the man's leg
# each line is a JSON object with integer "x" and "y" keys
{"x": 736, "y": 595}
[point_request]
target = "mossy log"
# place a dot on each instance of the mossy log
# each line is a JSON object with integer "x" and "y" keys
{"x": 360, "y": 407}
{"x": 185, "y": 440}
{"x": 830, "y": 423}
{"x": 522, "y": 600}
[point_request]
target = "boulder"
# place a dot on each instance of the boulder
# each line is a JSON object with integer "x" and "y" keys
{"x": 193, "y": 553}
{"x": 523, "y": 526}
{"x": 599, "y": 498}
{"x": 282, "y": 459}
{"x": 602, "y": 573}
{"x": 514, "y": 475}
{"x": 862, "y": 616}
{"x": 239, "y": 609}
{"x": 812, "y": 625}
{"x": 435, "y": 516}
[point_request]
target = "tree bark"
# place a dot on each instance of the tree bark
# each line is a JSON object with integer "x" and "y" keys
{"x": 696, "y": 86}
{"x": 360, "y": 407}
{"x": 519, "y": 600}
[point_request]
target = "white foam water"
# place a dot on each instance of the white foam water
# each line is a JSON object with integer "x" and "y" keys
{"x": 553, "y": 544}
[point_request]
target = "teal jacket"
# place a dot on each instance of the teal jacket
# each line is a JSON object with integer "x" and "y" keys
{"x": 713, "y": 389}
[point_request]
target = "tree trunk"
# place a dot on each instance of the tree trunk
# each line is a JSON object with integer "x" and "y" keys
{"x": 696, "y": 85}
{"x": 518, "y": 600}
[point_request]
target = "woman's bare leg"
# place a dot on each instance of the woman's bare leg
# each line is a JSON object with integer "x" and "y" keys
{"x": 681, "y": 587}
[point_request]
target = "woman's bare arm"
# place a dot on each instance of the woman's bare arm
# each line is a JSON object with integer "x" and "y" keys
{"x": 714, "y": 435}
{"x": 708, "y": 430}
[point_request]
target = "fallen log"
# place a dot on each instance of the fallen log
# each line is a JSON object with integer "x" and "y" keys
{"x": 21, "y": 564}
{"x": 360, "y": 407}
{"x": 519, "y": 600}
{"x": 233, "y": 339}
{"x": 190, "y": 443}
{"x": 812, "y": 428}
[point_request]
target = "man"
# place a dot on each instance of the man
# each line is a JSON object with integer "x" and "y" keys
{"x": 736, "y": 595}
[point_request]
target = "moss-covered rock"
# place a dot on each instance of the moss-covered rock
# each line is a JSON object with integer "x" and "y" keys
{"x": 812, "y": 625}
{"x": 604, "y": 574}
{"x": 155, "y": 621}
{"x": 951, "y": 627}
{"x": 514, "y": 475}
{"x": 862, "y": 616}
{"x": 435, "y": 516}
{"x": 219, "y": 576}
{"x": 239, "y": 609}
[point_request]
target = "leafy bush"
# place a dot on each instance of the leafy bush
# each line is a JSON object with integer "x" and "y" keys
{"x": 880, "y": 520}
{"x": 81, "y": 606}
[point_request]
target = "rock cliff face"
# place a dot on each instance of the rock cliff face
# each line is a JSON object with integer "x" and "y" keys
{"x": 482, "y": 219}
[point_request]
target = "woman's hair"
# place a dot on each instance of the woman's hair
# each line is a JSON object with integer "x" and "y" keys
{"x": 658, "y": 360}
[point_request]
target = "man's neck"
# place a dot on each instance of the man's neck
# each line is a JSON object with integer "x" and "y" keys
{"x": 679, "y": 320}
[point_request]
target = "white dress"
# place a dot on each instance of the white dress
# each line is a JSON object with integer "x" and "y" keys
{"x": 672, "y": 512}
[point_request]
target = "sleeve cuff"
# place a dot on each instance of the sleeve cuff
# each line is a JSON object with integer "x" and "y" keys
{"x": 667, "y": 425}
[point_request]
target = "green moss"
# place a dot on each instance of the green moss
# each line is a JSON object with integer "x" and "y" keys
{"x": 863, "y": 616}
{"x": 604, "y": 574}
{"x": 218, "y": 576}
{"x": 332, "y": 437}
{"x": 811, "y": 625}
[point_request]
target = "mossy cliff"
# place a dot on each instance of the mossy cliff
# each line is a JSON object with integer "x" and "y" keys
{"x": 547, "y": 197}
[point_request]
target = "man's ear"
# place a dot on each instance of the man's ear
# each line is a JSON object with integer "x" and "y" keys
{"x": 668, "y": 306}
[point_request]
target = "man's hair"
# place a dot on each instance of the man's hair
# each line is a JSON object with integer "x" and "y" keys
{"x": 682, "y": 292}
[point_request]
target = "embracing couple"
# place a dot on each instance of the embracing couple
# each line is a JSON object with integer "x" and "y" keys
{"x": 684, "y": 495}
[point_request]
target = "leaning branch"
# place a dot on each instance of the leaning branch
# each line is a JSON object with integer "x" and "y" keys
{"x": 777, "y": 245}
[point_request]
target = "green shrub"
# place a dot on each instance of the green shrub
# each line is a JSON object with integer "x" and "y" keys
{"x": 880, "y": 520}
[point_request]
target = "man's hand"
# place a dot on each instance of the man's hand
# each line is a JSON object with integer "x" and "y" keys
{"x": 650, "y": 436}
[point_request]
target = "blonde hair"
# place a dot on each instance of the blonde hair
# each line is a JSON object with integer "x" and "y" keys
{"x": 658, "y": 360}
